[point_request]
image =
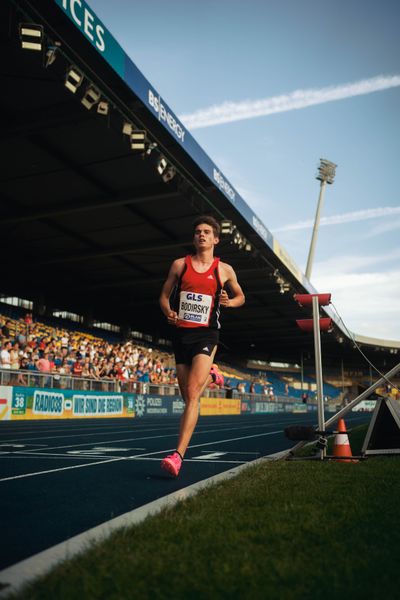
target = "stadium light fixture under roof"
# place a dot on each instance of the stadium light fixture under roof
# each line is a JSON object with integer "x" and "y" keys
{"x": 166, "y": 170}
{"x": 73, "y": 79}
{"x": 227, "y": 227}
{"x": 103, "y": 107}
{"x": 91, "y": 97}
{"x": 138, "y": 139}
{"x": 31, "y": 36}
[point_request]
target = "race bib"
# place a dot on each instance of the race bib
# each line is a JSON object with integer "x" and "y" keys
{"x": 195, "y": 308}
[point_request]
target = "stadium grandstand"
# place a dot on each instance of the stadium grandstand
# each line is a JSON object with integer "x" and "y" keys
{"x": 57, "y": 356}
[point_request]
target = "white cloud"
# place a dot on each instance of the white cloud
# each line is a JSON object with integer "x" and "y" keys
{"x": 248, "y": 109}
{"x": 350, "y": 217}
{"x": 367, "y": 302}
{"x": 352, "y": 264}
{"x": 392, "y": 225}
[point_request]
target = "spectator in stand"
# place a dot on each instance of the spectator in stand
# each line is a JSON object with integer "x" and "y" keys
{"x": 64, "y": 344}
{"x": 5, "y": 358}
{"x": 252, "y": 388}
{"x": 21, "y": 378}
{"x": 43, "y": 365}
{"x": 241, "y": 387}
{"x": 6, "y": 330}
{"x": 28, "y": 322}
{"x": 77, "y": 367}
{"x": 20, "y": 334}
{"x": 304, "y": 397}
{"x": 228, "y": 387}
{"x": 271, "y": 394}
{"x": 15, "y": 357}
{"x": 65, "y": 375}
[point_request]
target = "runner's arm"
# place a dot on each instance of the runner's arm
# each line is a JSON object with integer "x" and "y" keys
{"x": 169, "y": 284}
{"x": 238, "y": 298}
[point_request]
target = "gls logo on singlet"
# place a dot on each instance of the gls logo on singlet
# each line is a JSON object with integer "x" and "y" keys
{"x": 195, "y": 297}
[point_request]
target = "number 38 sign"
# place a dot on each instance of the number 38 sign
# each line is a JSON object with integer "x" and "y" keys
{"x": 18, "y": 406}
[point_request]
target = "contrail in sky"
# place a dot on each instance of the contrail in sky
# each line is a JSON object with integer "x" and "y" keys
{"x": 248, "y": 109}
{"x": 350, "y": 217}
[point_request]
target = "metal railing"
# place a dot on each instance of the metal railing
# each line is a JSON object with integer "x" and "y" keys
{"x": 22, "y": 378}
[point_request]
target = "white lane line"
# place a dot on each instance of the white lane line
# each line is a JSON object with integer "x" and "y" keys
{"x": 196, "y": 433}
{"x": 103, "y": 462}
{"x": 18, "y": 575}
{"x": 234, "y": 452}
{"x": 197, "y": 459}
{"x": 139, "y": 429}
{"x": 210, "y": 455}
{"x": 57, "y": 437}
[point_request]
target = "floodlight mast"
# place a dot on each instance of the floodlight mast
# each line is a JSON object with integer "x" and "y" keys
{"x": 326, "y": 174}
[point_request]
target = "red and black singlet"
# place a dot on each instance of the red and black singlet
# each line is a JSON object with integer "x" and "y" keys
{"x": 197, "y": 296}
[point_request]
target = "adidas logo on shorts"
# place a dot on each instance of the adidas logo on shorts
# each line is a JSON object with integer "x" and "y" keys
{"x": 206, "y": 349}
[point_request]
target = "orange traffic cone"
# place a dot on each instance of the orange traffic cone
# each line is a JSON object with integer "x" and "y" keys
{"x": 341, "y": 445}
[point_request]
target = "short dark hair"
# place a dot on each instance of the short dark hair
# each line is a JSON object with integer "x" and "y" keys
{"x": 208, "y": 220}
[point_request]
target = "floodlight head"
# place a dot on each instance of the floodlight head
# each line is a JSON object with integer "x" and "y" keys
{"x": 169, "y": 174}
{"x": 150, "y": 148}
{"x": 73, "y": 79}
{"x": 127, "y": 128}
{"x": 162, "y": 165}
{"x": 226, "y": 227}
{"x": 103, "y": 107}
{"x": 91, "y": 97}
{"x": 237, "y": 239}
{"x": 31, "y": 36}
{"x": 166, "y": 170}
{"x": 138, "y": 139}
{"x": 51, "y": 55}
{"x": 284, "y": 287}
{"x": 326, "y": 171}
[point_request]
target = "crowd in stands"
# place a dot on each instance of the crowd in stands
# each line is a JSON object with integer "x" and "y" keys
{"x": 31, "y": 346}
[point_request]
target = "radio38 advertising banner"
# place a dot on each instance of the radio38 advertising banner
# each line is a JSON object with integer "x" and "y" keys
{"x": 19, "y": 403}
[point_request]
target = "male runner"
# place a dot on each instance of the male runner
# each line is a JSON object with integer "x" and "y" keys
{"x": 199, "y": 282}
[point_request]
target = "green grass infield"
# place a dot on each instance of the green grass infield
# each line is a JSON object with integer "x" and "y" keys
{"x": 280, "y": 530}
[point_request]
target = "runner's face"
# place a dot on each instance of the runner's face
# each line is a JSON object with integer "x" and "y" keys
{"x": 204, "y": 237}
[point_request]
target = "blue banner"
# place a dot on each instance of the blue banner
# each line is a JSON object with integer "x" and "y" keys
{"x": 93, "y": 29}
{"x": 152, "y": 405}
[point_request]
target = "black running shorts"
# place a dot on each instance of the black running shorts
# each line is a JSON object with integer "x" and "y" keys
{"x": 188, "y": 342}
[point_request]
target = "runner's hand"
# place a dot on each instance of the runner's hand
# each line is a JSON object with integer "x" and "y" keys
{"x": 172, "y": 317}
{"x": 224, "y": 298}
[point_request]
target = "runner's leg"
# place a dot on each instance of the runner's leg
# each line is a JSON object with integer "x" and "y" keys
{"x": 197, "y": 380}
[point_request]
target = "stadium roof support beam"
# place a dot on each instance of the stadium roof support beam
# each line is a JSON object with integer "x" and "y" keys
{"x": 40, "y": 142}
{"x": 81, "y": 238}
{"x": 122, "y": 250}
{"x": 101, "y": 203}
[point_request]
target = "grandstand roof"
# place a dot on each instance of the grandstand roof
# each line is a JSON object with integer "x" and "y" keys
{"x": 90, "y": 226}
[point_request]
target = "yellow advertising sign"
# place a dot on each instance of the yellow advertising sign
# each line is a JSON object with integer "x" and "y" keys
{"x": 219, "y": 406}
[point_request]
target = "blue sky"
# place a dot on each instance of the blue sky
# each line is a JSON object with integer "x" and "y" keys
{"x": 223, "y": 54}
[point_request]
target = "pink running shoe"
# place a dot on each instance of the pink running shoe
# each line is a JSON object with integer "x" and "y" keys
{"x": 172, "y": 464}
{"x": 217, "y": 377}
